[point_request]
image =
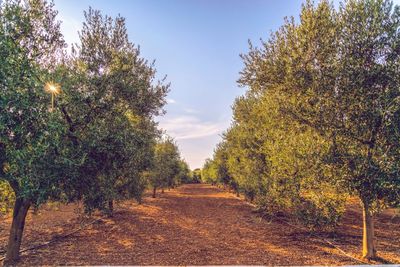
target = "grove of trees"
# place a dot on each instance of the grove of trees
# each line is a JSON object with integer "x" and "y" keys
{"x": 168, "y": 169}
{"x": 320, "y": 120}
{"x": 100, "y": 141}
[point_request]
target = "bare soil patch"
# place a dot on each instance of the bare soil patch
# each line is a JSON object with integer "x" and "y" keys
{"x": 194, "y": 225}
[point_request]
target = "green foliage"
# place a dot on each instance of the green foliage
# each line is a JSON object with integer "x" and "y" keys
{"x": 99, "y": 140}
{"x": 209, "y": 172}
{"x": 167, "y": 164}
{"x": 320, "y": 117}
{"x": 31, "y": 137}
{"x": 196, "y": 175}
{"x": 109, "y": 104}
{"x": 98, "y": 143}
{"x": 321, "y": 210}
{"x": 221, "y": 157}
{"x": 184, "y": 174}
{"x": 7, "y": 198}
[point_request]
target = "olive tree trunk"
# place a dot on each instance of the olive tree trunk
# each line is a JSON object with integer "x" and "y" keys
{"x": 21, "y": 208}
{"x": 154, "y": 192}
{"x": 110, "y": 210}
{"x": 369, "y": 250}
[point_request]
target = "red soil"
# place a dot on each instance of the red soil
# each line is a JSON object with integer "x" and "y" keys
{"x": 194, "y": 225}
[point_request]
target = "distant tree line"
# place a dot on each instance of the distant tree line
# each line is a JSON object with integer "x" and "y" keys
{"x": 100, "y": 142}
{"x": 320, "y": 120}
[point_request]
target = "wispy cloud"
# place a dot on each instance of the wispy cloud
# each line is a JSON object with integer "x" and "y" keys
{"x": 191, "y": 111}
{"x": 171, "y": 101}
{"x": 191, "y": 127}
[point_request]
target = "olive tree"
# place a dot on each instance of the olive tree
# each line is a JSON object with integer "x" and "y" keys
{"x": 166, "y": 164}
{"x": 110, "y": 104}
{"x": 338, "y": 69}
{"x": 31, "y": 137}
{"x": 98, "y": 139}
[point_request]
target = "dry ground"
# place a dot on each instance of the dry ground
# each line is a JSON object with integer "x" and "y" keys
{"x": 193, "y": 225}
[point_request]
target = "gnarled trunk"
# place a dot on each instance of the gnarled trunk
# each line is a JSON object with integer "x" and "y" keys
{"x": 369, "y": 250}
{"x": 21, "y": 208}
{"x": 154, "y": 192}
{"x": 110, "y": 208}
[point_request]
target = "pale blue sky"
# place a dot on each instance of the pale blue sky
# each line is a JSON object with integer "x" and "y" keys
{"x": 196, "y": 43}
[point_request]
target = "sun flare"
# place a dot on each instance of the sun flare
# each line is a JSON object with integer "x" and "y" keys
{"x": 52, "y": 88}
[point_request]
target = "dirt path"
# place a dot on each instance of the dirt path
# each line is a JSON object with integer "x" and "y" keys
{"x": 196, "y": 225}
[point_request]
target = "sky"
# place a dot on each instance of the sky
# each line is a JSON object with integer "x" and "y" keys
{"x": 197, "y": 44}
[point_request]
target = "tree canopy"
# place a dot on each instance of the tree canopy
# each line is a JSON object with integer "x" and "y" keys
{"x": 320, "y": 118}
{"x": 98, "y": 141}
